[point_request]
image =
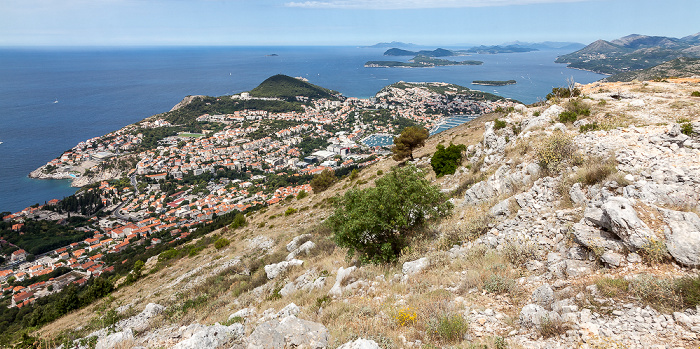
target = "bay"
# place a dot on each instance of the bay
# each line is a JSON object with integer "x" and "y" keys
{"x": 51, "y": 99}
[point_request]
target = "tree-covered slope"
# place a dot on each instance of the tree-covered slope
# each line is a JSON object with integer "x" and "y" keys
{"x": 287, "y": 87}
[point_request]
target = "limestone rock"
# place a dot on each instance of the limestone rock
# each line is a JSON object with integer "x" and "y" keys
{"x": 625, "y": 223}
{"x": 141, "y": 321}
{"x": 342, "y": 275}
{"x": 115, "y": 339}
{"x": 360, "y": 344}
{"x": 305, "y": 248}
{"x": 683, "y": 236}
{"x": 306, "y": 282}
{"x": 289, "y": 332}
{"x": 576, "y": 268}
{"x": 296, "y": 242}
{"x": 244, "y": 314}
{"x": 612, "y": 258}
{"x": 210, "y": 336}
{"x": 596, "y": 239}
{"x": 290, "y": 310}
{"x": 275, "y": 270}
{"x": 414, "y": 267}
{"x": 532, "y": 315}
{"x": 576, "y": 194}
{"x": 543, "y": 296}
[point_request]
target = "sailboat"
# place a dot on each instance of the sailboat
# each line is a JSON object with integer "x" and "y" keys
{"x": 56, "y": 101}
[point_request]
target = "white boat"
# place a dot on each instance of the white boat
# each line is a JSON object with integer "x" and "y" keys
{"x": 56, "y": 101}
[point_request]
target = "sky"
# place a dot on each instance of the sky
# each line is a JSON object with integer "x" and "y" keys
{"x": 336, "y": 22}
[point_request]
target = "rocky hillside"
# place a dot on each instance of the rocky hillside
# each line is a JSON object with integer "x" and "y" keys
{"x": 575, "y": 224}
{"x": 677, "y": 68}
{"x": 632, "y": 52}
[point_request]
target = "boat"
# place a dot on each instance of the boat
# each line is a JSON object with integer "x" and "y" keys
{"x": 56, "y": 101}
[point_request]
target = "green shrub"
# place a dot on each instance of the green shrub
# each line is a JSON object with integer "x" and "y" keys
{"x": 239, "y": 221}
{"x": 380, "y": 172}
{"x": 519, "y": 253}
{"x": 446, "y": 160}
{"x": 578, "y": 107}
{"x": 354, "y": 174}
{"x": 654, "y": 251}
{"x": 567, "y": 116}
{"x": 588, "y": 127}
{"x": 302, "y": 194}
{"x": 378, "y": 222}
{"x": 448, "y": 328}
{"x": 555, "y": 152}
{"x": 687, "y": 128}
{"x": 695, "y": 94}
{"x": 323, "y": 181}
{"x": 536, "y": 113}
{"x": 221, "y": 243}
{"x": 290, "y": 211}
{"x": 596, "y": 170}
{"x": 500, "y": 342}
{"x": 689, "y": 289}
{"x": 610, "y": 287}
{"x": 499, "y": 284}
{"x": 234, "y": 320}
{"x": 653, "y": 290}
{"x": 563, "y": 92}
{"x": 499, "y": 124}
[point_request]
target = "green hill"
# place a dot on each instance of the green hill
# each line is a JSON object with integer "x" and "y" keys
{"x": 287, "y": 87}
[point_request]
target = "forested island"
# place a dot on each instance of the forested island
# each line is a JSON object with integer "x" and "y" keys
{"x": 494, "y": 82}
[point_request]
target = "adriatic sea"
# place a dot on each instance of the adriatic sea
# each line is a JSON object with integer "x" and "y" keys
{"x": 53, "y": 98}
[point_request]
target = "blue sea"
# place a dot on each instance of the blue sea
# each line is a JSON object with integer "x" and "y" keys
{"x": 51, "y": 99}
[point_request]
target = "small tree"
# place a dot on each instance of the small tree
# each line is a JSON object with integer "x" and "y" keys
{"x": 323, "y": 181}
{"x": 239, "y": 221}
{"x": 410, "y": 138}
{"x": 378, "y": 222}
{"x": 446, "y": 160}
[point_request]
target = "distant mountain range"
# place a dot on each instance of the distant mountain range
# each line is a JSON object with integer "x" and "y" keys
{"x": 392, "y": 44}
{"x": 441, "y": 52}
{"x": 632, "y": 52}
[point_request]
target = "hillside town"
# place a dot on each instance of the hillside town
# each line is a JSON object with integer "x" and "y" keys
{"x": 189, "y": 179}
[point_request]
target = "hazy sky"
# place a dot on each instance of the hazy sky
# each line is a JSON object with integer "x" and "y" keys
{"x": 336, "y": 22}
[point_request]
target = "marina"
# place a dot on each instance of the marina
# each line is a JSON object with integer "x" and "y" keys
{"x": 451, "y": 122}
{"x": 378, "y": 140}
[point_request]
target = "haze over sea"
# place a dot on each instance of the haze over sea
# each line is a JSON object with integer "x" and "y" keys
{"x": 51, "y": 99}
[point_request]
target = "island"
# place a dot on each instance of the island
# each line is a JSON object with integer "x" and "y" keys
{"x": 419, "y": 61}
{"x": 494, "y": 82}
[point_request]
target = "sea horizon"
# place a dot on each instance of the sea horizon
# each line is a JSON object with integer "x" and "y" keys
{"x": 55, "y": 97}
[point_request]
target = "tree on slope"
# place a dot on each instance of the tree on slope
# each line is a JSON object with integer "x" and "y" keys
{"x": 410, "y": 138}
{"x": 378, "y": 222}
